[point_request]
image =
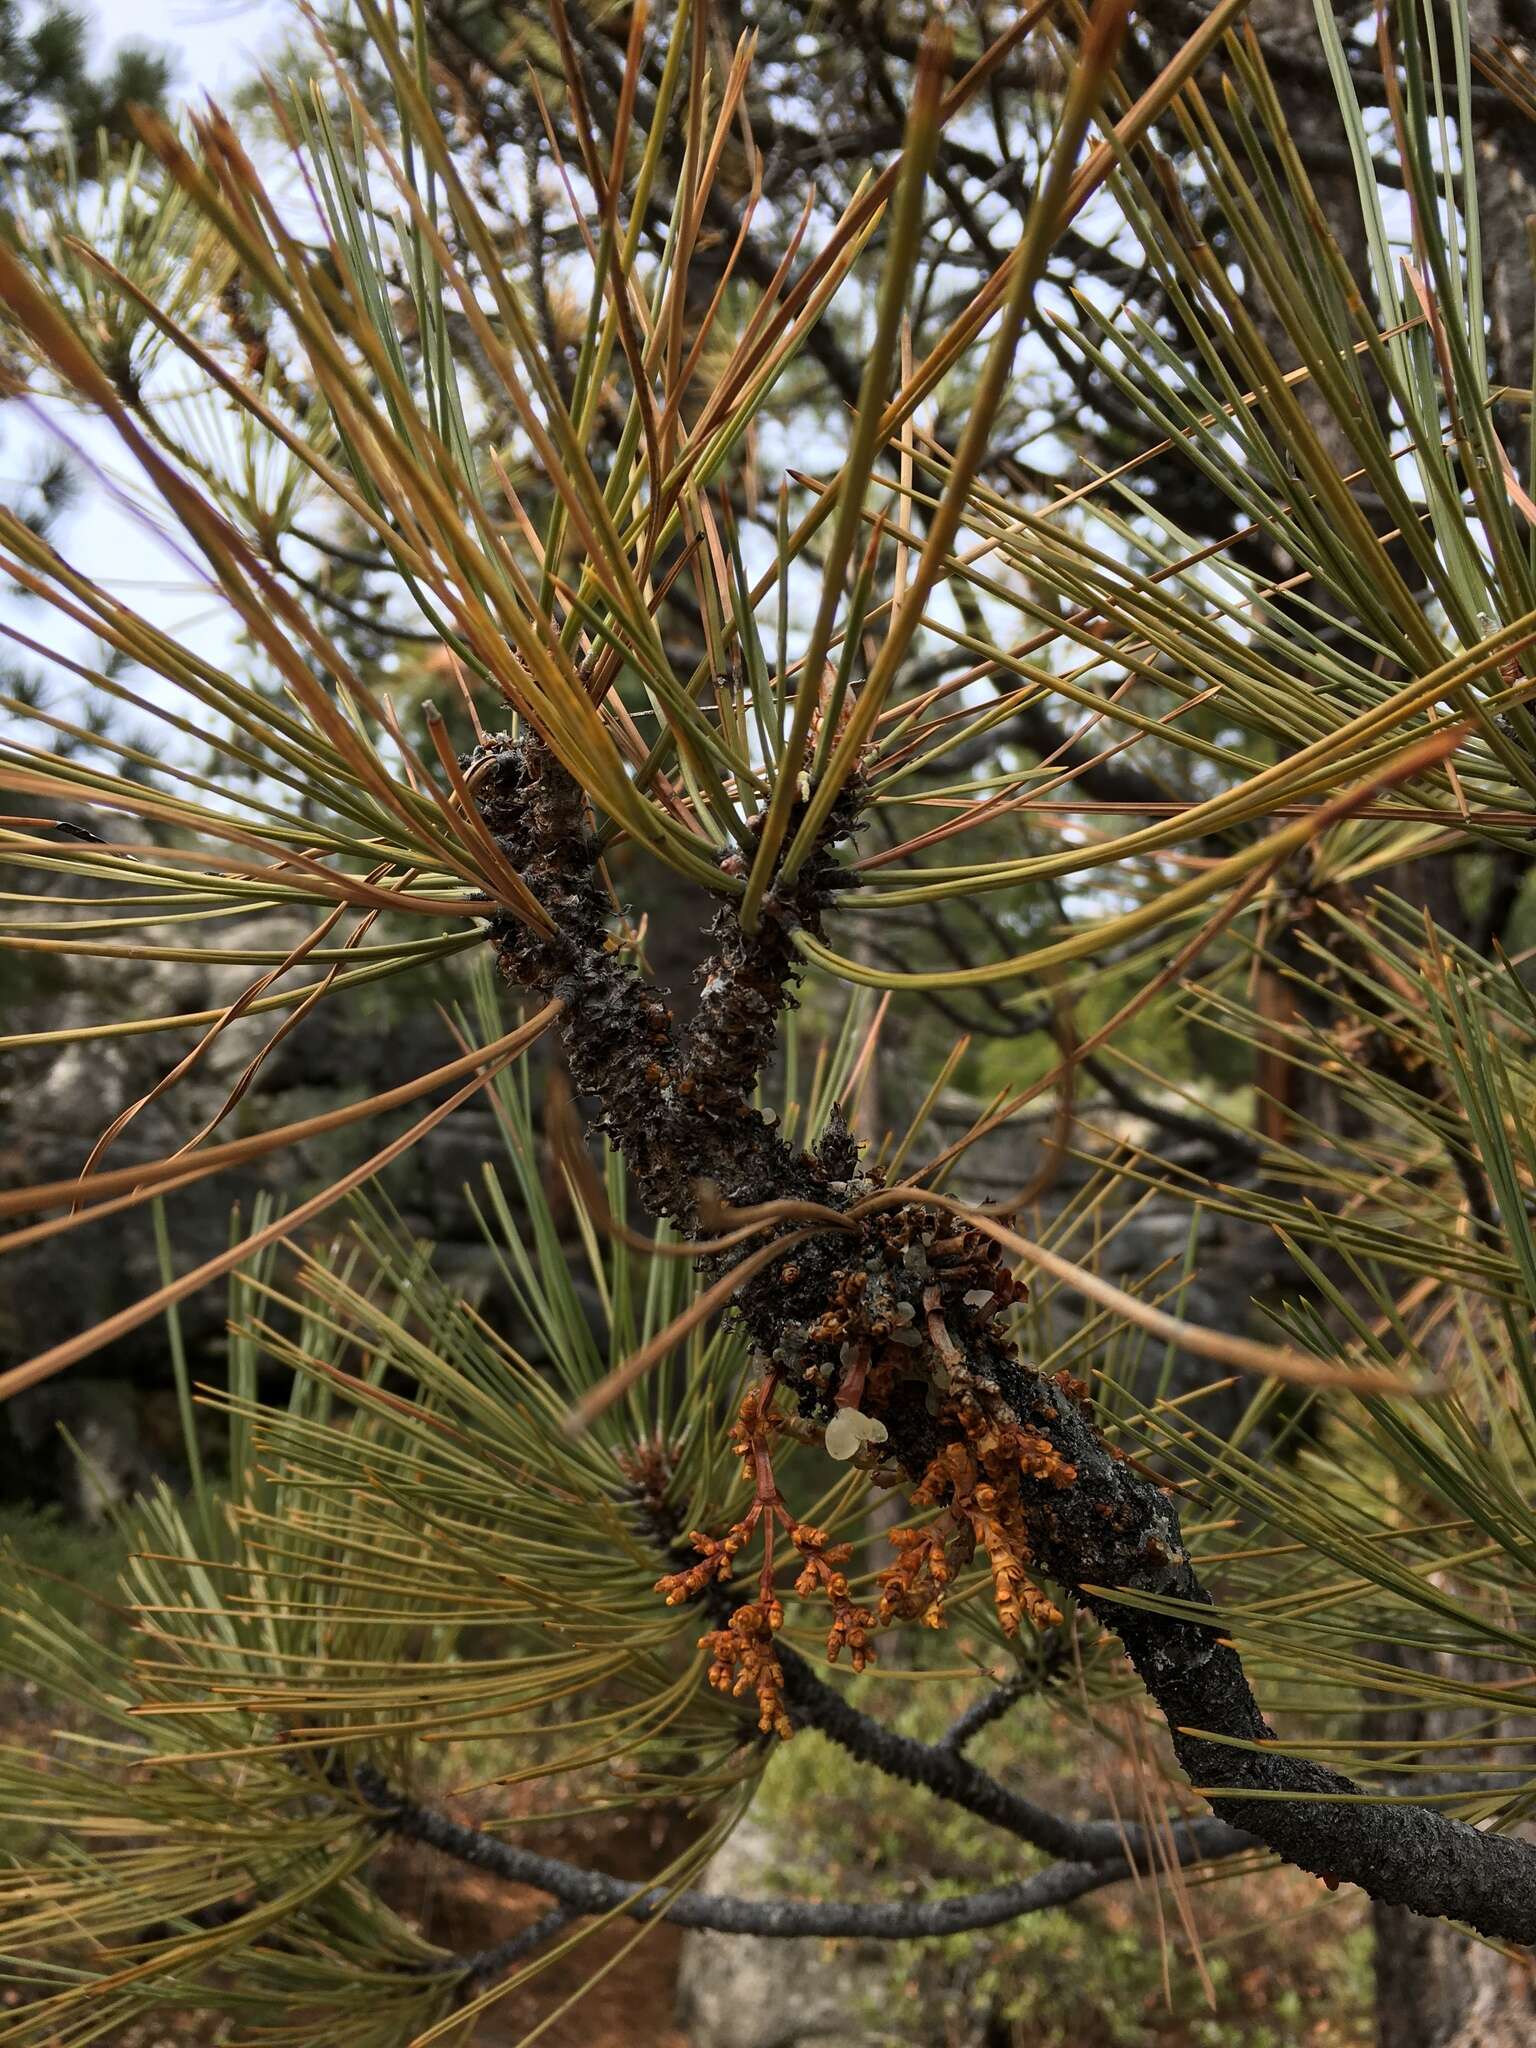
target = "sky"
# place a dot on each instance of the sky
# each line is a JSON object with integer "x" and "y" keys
{"x": 215, "y": 44}
{"x": 214, "y": 41}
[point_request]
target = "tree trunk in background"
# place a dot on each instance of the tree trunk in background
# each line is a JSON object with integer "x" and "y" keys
{"x": 1436, "y": 1988}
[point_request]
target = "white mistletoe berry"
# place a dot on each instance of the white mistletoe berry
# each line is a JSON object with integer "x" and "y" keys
{"x": 848, "y": 1430}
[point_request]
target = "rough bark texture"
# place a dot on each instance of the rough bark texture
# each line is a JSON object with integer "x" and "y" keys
{"x": 675, "y": 1102}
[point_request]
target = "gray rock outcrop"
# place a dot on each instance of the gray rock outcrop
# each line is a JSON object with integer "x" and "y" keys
{"x": 745, "y": 1991}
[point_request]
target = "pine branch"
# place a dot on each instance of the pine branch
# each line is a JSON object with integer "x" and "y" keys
{"x": 941, "y": 1769}
{"x": 1092, "y": 1523}
{"x": 674, "y": 1103}
{"x": 758, "y": 264}
{"x": 983, "y": 1712}
{"x": 1113, "y": 1530}
{"x": 593, "y": 1891}
{"x": 486, "y": 1963}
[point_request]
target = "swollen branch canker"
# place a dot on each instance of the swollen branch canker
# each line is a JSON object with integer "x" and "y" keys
{"x": 676, "y": 1102}
{"x": 907, "y": 1325}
